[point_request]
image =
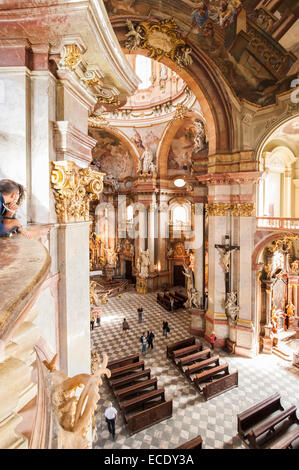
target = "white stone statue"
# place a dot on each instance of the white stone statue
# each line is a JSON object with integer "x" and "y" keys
{"x": 231, "y": 306}
{"x": 190, "y": 284}
{"x": 145, "y": 163}
{"x": 134, "y": 37}
{"x": 195, "y": 298}
{"x": 111, "y": 256}
{"x": 143, "y": 264}
{"x": 200, "y": 137}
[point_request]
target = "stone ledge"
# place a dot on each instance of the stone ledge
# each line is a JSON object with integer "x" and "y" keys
{"x": 24, "y": 265}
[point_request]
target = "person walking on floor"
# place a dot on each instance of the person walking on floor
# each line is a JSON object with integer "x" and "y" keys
{"x": 125, "y": 326}
{"x": 98, "y": 315}
{"x": 140, "y": 311}
{"x": 142, "y": 340}
{"x": 165, "y": 328}
{"x": 92, "y": 320}
{"x": 110, "y": 415}
{"x": 150, "y": 338}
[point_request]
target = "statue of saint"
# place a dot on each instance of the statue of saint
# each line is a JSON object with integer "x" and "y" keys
{"x": 146, "y": 161}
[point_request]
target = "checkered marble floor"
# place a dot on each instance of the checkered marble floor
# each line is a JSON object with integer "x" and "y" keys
{"x": 215, "y": 420}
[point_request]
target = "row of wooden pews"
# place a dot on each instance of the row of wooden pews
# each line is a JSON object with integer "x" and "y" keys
{"x": 165, "y": 300}
{"x": 141, "y": 402}
{"x": 267, "y": 420}
{"x": 201, "y": 368}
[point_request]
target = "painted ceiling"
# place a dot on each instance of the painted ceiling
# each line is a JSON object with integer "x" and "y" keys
{"x": 230, "y": 34}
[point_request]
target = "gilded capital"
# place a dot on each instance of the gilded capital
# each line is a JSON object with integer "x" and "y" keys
{"x": 236, "y": 210}
{"x": 74, "y": 188}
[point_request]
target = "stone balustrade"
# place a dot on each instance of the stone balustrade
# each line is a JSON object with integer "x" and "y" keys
{"x": 277, "y": 223}
{"x": 24, "y": 265}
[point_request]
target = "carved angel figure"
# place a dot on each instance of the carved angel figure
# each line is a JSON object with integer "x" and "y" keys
{"x": 231, "y": 306}
{"x": 183, "y": 57}
{"x": 195, "y": 298}
{"x": 74, "y": 412}
{"x": 134, "y": 37}
{"x": 93, "y": 296}
{"x": 143, "y": 263}
{"x": 200, "y": 136}
{"x": 190, "y": 284}
{"x": 111, "y": 256}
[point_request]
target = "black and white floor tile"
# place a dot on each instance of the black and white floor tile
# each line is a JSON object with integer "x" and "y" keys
{"x": 215, "y": 420}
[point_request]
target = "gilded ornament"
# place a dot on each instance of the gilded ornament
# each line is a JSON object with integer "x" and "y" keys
{"x": 236, "y": 210}
{"x": 71, "y": 57}
{"x": 74, "y": 188}
{"x": 161, "y": 40}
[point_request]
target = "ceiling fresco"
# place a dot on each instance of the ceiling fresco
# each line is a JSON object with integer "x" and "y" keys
{"x": 229, "y": 33}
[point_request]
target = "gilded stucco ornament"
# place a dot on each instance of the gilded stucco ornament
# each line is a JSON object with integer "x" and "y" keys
{"x": 161, "y": 40}
{"x": 74, "y": 188}
{"x": 236, "y": 210}
{"x": 71, "y": 57}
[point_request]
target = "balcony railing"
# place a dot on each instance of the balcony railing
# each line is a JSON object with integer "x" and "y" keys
{"x": 277, "y": 223}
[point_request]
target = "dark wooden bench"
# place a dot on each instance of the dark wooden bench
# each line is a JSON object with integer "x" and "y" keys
{"x": 209, "y": 374}
{"x": 253, "y": 415}
{"x": 148, "y": 417}
{"x": 218, "y": 386}
{"x": 195, "y": 443}
{"x": 125, "y": 369}
{"x": 129, "y": 379}
{"x": 137, "y": 388}
{"x": 183, "y": 297}
{"x": 123, "y": 361}
{"x": 211, "y": 363}
{"x": 178, "y": 353}
{"x": 269, "y": 425}
{"x": 165, "y": 303}
{"x": 141, "y": 400}
{"x": 286, "y": 442}
{"x": 198, "y": 356}
{"x": 190, "y": 341}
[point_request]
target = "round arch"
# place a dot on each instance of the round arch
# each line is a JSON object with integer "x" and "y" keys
{"x": 204, "y": 79}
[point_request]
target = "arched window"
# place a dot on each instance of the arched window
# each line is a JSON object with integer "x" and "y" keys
{"x": 130, "y": 213}
{"x": 179, "y": 215}
{"x": 143, "y": 68}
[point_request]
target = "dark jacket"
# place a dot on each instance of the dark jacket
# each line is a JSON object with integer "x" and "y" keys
{"x": 150, "y": 337}
{"x": 3, "y": 230}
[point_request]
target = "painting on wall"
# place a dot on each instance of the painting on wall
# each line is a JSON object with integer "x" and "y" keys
{"x": 145, "y": 137}
{"x": 111, "y": 155}
{"x": 183, "y": 147}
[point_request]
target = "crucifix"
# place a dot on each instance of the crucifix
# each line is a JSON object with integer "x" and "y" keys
{"x": 225, "y": 253}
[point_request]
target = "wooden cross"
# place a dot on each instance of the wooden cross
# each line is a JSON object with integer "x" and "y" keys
{"x": 226, "y": 250}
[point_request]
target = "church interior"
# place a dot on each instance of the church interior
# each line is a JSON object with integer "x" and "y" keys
{"x": 158, "y": 146}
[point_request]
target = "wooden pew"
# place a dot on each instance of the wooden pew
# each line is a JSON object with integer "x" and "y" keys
{"x": 195, "y": 443}
{"x": 136, "y": 389}
{"x": 127, "y": 369}
{"x": 123, "y": 361}
{"x": 250, "y": 417}
{"x": 270, "y": 424}
{"x": 198, "y": 356}
{"x": 164, "y": 302}
{"x": 148, "y": 417}
{"x": 190, "y": 341}
{"x": 286, "y": 442}
{"x": 141, "y": 400}
{"x": 198, "y": 366}
{"x": 218, "y": 386}
{"x": 178, "y": 353}
{"x": 209, "y": 374}
{"x": 129, "y": 379}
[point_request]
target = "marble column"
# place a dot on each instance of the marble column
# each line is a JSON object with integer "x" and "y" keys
{"x": 74, "y": 319}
